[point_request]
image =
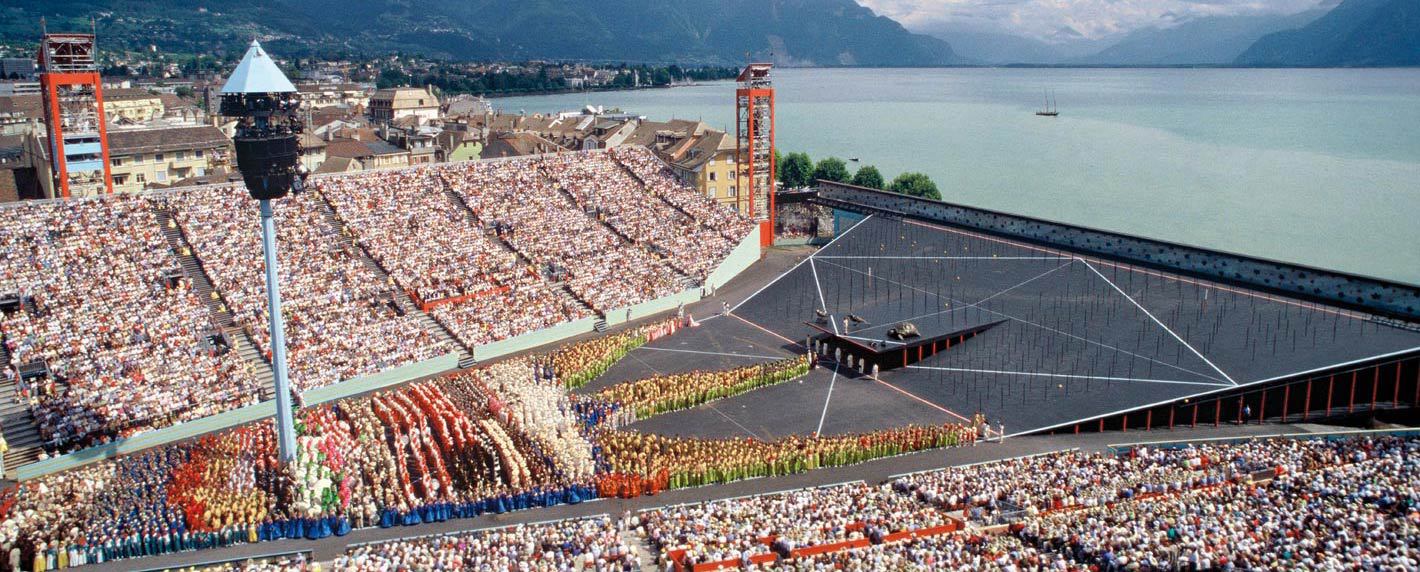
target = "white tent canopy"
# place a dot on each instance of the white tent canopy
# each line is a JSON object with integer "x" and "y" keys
{"x": 257, "y": 74}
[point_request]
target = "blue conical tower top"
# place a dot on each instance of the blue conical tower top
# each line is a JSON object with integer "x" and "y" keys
{"x": 257, "y": 74}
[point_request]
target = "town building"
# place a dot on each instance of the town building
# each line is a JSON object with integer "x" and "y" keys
{"x": 21, "y": 114}
{"x": 132, "y": 106}
{"x": 369, "y": 155}
{"x": 702, "y": 157}
{"x": 323, "y": 95}
{"x": 19, "y": 88}
{"x": 395, "y": 103}
{"x": 18, "y": 68}
{"x": 147, "y": 158}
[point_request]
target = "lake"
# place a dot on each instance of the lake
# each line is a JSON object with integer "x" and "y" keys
{"x": 1318, "y": 167}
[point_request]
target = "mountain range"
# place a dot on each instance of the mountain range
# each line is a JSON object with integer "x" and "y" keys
{"x": 1356, "y": 33}
{"x": 787, "y": 32}
{"x": 794, "y": 32}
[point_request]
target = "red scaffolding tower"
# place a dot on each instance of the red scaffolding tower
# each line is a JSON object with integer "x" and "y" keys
{"x": 754, "y": 134}
{"x": 74, "y": 114}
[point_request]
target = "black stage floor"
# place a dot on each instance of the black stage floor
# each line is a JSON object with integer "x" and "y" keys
{"x": 1082, "y": 337}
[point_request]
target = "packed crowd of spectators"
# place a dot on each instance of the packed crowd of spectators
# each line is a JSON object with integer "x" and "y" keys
{"x": 341, "y": 320}
{"x": 660, "y": 181}
{"x": 527, "y": 210}
{"x": 1335, "y": 505}
{"x": 956, "y": 552}
{"x": 1076, "y": 479}
{"x": 423, "y": 239}
{"x": 106, "y": 309}
{"x": 601, "y": 185}
{"x": 1262, "y": 505}
{"x": 593, "y": 544}
{"x": 780, "y": 523}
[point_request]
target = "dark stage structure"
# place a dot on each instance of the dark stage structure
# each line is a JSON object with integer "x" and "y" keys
{"x": 1046, "y": 327}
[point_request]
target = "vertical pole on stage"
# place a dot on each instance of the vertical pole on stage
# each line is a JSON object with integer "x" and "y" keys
{"x": 1172, "y": 411}
{"x": 1395, "y": 398}
{"x": 1286, "y": 399}
{"x": 1351, "y": 402}
{"x": 1262, "y": 407}
{"x": 1124, "y": 423}
{"x": 1375, "y": 385}
{"x": 1195, "y": 416}
{"x": 1149, "y": 421}
{"x": 1101, "y": 425}
{"x": 285, "y": 435}
{"x": 1307, "y": 400}
{"x": 1330, "y": 391}
{"x": 1217, "y": 411}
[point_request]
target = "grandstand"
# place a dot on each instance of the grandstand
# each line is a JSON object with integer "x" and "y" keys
{"x": 360, "y": 301}
{"x": 875, "y": 462}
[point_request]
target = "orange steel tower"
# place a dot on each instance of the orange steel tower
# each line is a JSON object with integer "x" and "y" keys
{"x": 74, "y": 114}
{"x": 754, "y": 133}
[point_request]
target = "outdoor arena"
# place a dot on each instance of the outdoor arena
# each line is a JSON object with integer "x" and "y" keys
{"x": 651, "y": 397}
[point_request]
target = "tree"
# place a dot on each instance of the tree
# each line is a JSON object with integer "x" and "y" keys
{"x": 868, "y": 176}
{"x": 797, "y": 171}
{"x": 916, "y": 185}
{"x": 831, "y": 169}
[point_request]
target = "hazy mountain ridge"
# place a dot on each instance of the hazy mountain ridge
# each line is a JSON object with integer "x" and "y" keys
{"x": 1355, "y": 33}
{"x": 1204, "y": 41}
{"x": 803, "y": 32}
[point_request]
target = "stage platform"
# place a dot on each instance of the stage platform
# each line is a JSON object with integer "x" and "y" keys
{"x": 1074, "y": 338}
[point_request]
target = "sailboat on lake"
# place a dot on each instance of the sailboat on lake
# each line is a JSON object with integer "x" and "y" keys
{"x": 1050, "y": 109}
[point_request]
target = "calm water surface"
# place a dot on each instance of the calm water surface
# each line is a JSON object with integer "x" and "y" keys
{"x": 1320, "y": 167}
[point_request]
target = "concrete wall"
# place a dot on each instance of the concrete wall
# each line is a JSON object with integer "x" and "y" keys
{"x": 531, "y": 340}
{"x": 235, "y": 417}
{"x": 1380, "y": 297}
{"x": 740, "y": 258}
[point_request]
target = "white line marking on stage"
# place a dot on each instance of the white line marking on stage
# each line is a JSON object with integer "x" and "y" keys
{"x": 732, "y": 420}
{"x": 800, "y": 263}
{"x": 708, "y": 353}
{"x": 928, "y": 403}
{"x": 767, "y": 330}
{"x": 978, "y": 303}
{"x": 1050, "y": 329}
{"x": 1067, "y": 375}
{"x": 824, "y": 415}
{"x": 1156, "y": 321}
{"x": 871, "y": 339}
{"x": 845, "y": 257}
{"x": 813, "y": 268}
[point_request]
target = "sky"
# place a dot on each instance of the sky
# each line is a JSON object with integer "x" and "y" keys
{"x": 1058, "y": 21}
